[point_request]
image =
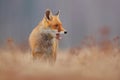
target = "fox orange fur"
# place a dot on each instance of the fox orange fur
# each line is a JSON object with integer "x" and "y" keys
{"x": 44, "y": 38}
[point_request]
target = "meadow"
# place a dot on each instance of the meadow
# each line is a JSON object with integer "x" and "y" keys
{"x": 92, "y": 60}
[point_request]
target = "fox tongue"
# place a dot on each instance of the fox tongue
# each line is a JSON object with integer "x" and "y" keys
{"x": 58, "y": 36}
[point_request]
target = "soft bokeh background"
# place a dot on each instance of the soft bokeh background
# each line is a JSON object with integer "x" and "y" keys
{"x": 79, "y": 17}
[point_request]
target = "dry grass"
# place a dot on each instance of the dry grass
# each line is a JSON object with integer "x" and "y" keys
{"x": 92, "y": 61}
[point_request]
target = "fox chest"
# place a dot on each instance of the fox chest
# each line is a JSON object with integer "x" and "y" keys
{"x": 46, "y": 44}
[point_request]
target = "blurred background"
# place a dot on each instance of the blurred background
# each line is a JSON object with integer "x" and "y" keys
{"x": 79, "y": 18}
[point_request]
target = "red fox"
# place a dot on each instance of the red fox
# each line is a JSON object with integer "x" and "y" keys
{"x": 44, "y": 38}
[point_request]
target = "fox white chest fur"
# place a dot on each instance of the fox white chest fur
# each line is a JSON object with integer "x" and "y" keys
{"x": 43, "y": 44}
{"x": 46, "y": 42}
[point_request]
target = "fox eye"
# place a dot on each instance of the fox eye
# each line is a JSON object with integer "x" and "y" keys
{"x": 56, "y": 26}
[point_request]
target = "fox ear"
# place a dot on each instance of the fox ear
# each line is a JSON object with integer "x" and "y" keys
{"x": 48, "y": 14}
{"x": 58, "y": 13}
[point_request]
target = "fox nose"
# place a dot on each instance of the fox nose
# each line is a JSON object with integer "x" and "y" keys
{"x": 65, "y": 32}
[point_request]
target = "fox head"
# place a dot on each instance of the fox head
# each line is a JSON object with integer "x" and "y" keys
{"x": 53, "y": 23}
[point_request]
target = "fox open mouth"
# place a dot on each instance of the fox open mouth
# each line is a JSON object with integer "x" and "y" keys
{"x": 58, "y": 36}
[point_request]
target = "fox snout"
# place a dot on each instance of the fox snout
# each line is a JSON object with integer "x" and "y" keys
{"x": 62, "y": 32}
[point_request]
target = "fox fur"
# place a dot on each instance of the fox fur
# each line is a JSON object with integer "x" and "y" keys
{"x": 43, "y": 39}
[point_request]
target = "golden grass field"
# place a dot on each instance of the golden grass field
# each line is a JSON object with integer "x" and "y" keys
{"x": 91, "y": 61}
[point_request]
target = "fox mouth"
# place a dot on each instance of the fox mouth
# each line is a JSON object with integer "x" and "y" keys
{"x": 58, "y": 36}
